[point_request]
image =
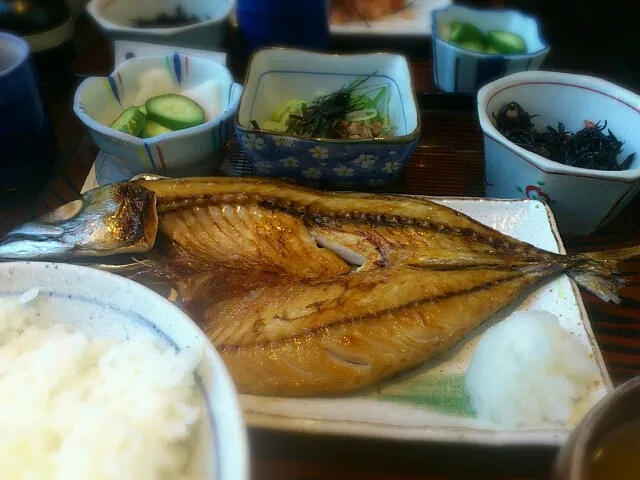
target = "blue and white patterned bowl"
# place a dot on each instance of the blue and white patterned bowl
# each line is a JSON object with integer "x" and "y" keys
{"x": 192, "y": 151}
{"x": 457, "y": 70}
{"x": 276, "y": 75}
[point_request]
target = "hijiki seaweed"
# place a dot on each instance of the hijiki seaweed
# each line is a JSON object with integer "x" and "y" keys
{"x": 588, "y": 148}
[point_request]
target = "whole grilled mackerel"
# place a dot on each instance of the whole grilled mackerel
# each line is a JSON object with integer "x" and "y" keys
{"x": 306, "y": 292}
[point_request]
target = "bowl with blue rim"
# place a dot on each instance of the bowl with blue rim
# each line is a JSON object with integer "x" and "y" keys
{"x": 472, "y": 47}
{"x": 278, "y": 77}
{"x": 99, "y": 102}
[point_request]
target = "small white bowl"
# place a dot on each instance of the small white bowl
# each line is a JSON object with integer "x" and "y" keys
{"x": 115, "y": 18}
{"x": 193, "y": 151}
{"x": 458, "y": 70}
{"x": 581, "y": 199}
{"x": 105, "y": 305}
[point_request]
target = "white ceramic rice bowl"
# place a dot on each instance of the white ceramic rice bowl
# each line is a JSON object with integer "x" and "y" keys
{"x": 107, "y": 305}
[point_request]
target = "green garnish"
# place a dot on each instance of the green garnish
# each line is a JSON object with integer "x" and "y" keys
{"x": 355, "y": 110}
{"x": 322, "y": 118}
{"x": 326, "y": 112}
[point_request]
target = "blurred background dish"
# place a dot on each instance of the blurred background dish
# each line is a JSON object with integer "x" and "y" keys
{"x": 196, "y": 24}
{"x": 582, "y": 199}
{"x": 197, "y": 150}
{"x": 463, "y": 64}
{"x": 48, "y": 29}
{"x": 276, "y": 76}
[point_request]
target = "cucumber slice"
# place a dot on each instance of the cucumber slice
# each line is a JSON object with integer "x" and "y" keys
{"x": 466, "y": 32}
{"x": 174, "y": 111}
{"x": 130, "y": 121}
{"x": 285, "y": 108}
{"x": 151, "y": 129}
{"x": 143, "y": 109}
{"x": 473, "y": 46}
{"x": 361, "y": 115}
{"x": 492, "y": 51}
{"x": 506, "y": 42}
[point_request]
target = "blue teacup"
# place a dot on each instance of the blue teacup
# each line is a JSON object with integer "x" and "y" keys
{"x": 27, "y": 143}
{"x": 284, "y": 23}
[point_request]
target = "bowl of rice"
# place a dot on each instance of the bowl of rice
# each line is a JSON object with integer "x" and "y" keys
{"x": 103, "y": 378}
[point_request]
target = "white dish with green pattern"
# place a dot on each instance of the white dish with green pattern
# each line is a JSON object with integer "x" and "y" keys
{"x": 429, "y": 403}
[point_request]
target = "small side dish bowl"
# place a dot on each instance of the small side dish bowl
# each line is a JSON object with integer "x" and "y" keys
{"x": 614, "y": 413}
{"x": 277, "y": 75}
{"x": 458, "y": 70}
{"x": 117, "y": 19}
{"x": 107, "y": 306}
{"x": 193, "y": 151}
{"x": 582, "y": 199}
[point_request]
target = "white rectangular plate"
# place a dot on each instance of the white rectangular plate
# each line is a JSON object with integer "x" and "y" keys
{"x": 429, "y": 403}
{"x": 413, "y": 21}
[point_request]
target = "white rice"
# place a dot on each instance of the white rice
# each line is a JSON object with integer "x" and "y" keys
{"x": 527, "y": 370}
{"x": 78, "y": 408}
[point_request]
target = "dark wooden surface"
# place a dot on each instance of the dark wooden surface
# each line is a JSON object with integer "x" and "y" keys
{"x": 448, "y": 161}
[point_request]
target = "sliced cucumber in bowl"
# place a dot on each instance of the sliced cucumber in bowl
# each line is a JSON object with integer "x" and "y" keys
{"x": 506, "y": 42}
{"x": 130, "y": 121}
{"x": 152, "y": 129}
{"x": 174, "y": 111}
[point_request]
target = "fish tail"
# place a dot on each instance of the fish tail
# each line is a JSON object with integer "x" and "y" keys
{"x": 598, "y": 272}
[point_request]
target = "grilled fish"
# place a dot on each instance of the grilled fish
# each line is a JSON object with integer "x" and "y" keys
{"x": 306, "y": 292}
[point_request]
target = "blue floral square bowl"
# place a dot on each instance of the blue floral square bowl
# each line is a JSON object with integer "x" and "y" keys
{"x": 276, "y": 75}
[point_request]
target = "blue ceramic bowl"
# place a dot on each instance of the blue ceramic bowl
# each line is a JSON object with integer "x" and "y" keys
{"x": 276, "y": 75}
{"x": 457, "y": 70}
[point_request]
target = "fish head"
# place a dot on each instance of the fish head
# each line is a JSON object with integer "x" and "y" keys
{"x": 109, "y": 220}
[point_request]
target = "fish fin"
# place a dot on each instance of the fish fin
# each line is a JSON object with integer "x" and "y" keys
{"x": 598, "y": 272}
{"x": 604, "y": 288}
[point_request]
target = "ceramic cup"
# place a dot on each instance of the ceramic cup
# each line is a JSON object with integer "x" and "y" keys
{"x": 613, "y": 412}
{"x": 27, "y": 144}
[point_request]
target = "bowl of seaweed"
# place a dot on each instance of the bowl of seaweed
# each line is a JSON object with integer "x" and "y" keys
{"x": 196, "y": 24}
{"x": 567, "y": 140}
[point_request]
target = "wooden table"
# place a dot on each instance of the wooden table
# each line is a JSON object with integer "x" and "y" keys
{"x": 448, "y": 161}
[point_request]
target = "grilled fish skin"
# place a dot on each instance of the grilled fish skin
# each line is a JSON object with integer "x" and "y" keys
{"x": 369, "y": 231}
{"x": 111, "y": 220}
{"x": 335, "y": 335}
{"x": 306, "y": 292}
